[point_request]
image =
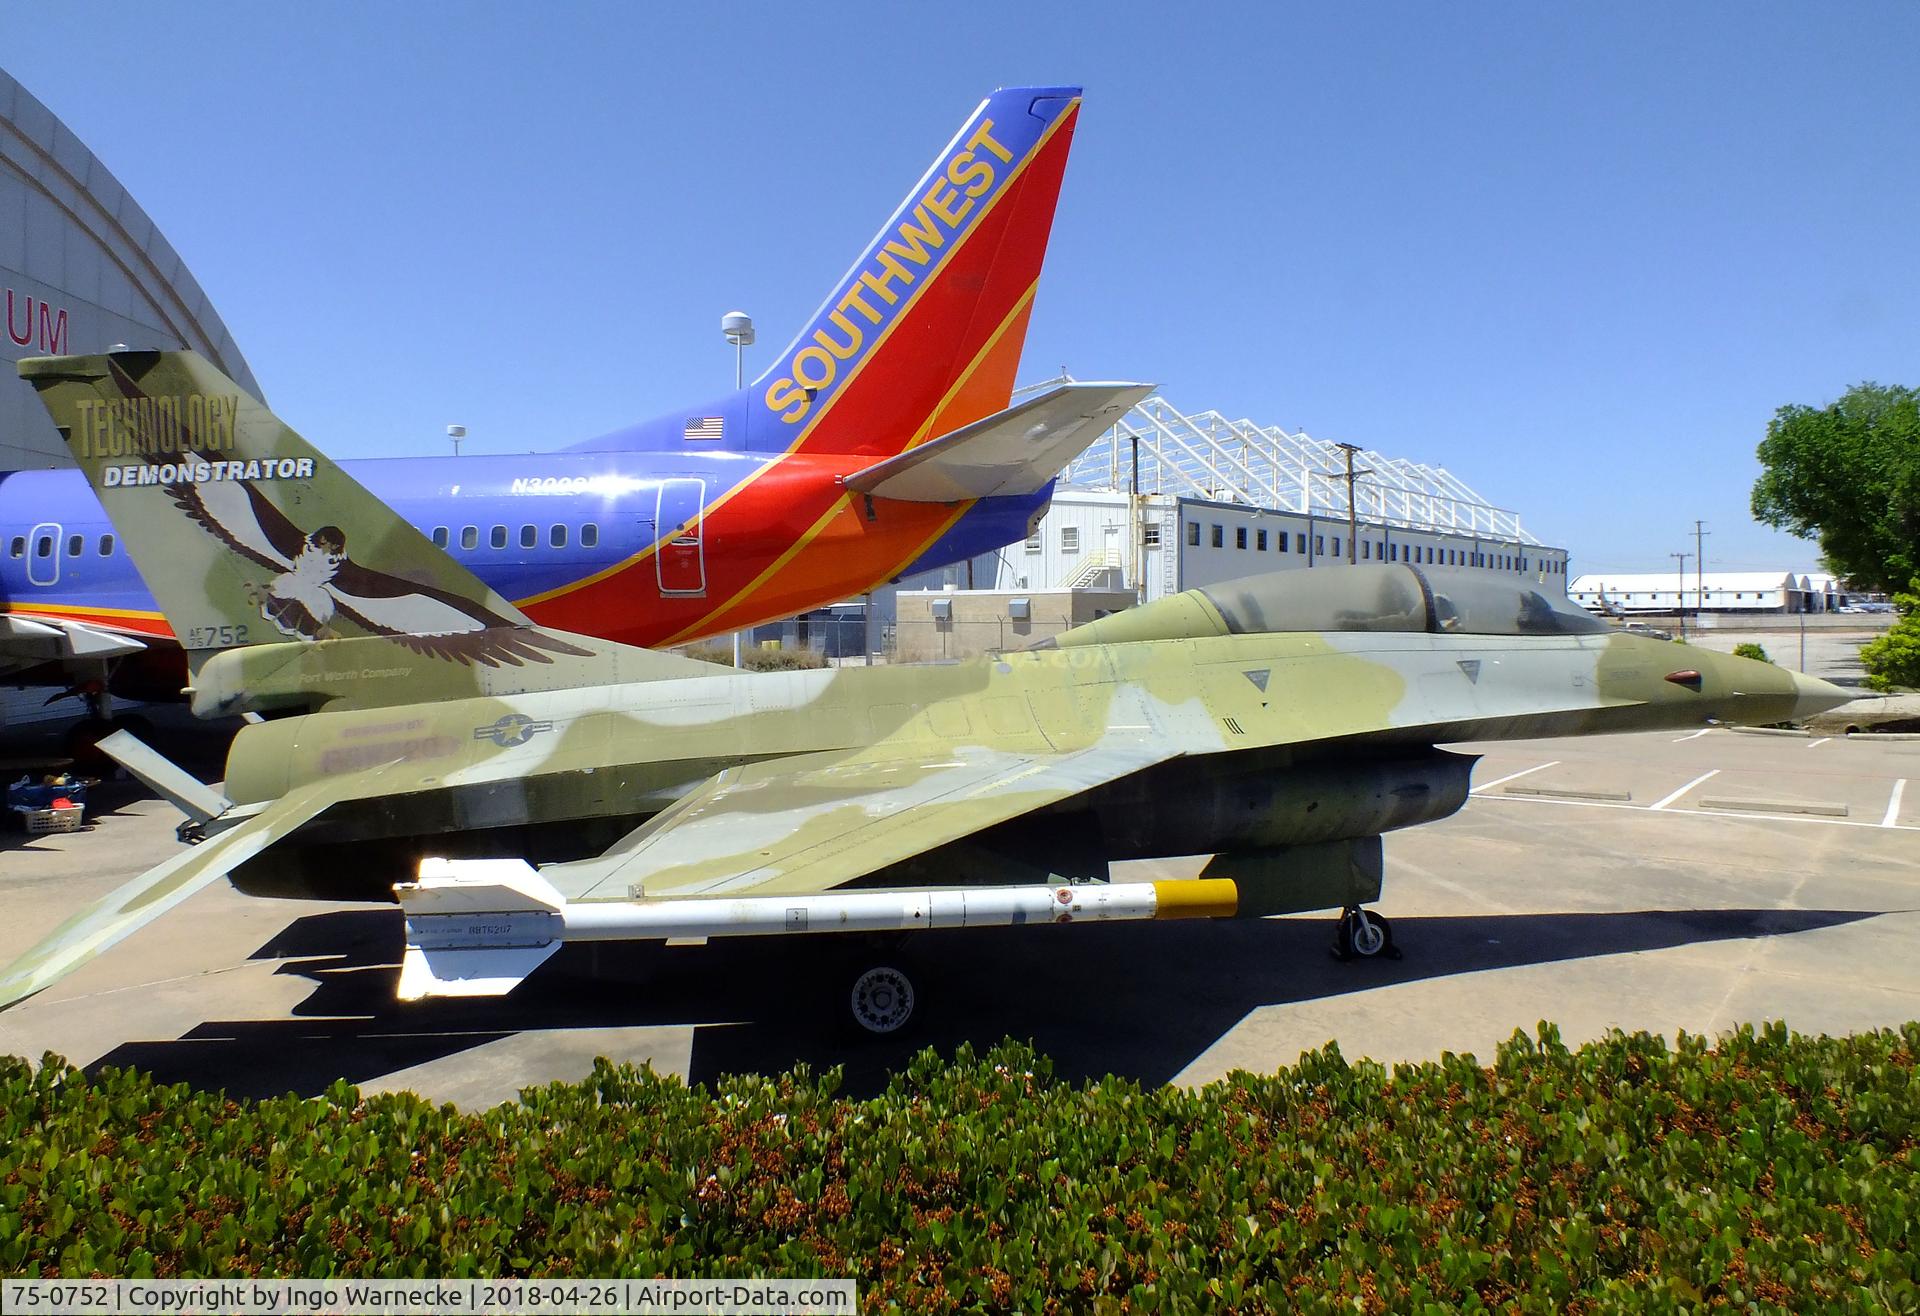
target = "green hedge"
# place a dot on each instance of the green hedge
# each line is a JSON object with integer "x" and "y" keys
{"x": 1773, "y": 1169}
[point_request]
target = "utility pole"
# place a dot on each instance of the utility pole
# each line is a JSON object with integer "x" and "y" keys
{"x": 1353, "y": 506}
{"x": 1680, "y": 594}
{"x": 1699, "y": 571}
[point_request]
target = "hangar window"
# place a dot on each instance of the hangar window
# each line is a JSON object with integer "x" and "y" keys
{"x": 1366, "y": 550}
{"x": 499, "y": 537}
{"x": 1193, "y": 534}
{"x": 1240, "y": 537}
{"x": 1069, "y": 539}
{"x": 19, "y": 548}
{"x": 1033, "y": 541}
{"x": 439, "y": 536}
{"x": 1282, "y": 541}
{"x": 1319, "y": 544}
{"x": 76, "y": 545}
{"x": 1259, "y": 541}
{"x": 557, "y": 536}
{"x": 529, "y": 536}
{"x": 1219, "y": 538}
{"x": 589, "y": 535}
{"x": 106, "y": 545}
{"x": 470, "y": 537}
{"x": 1336, "y": 545}
{"x": 1150, "y": 535}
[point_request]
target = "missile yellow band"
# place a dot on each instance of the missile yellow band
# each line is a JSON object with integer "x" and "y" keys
{"x": 1201, "y": 897}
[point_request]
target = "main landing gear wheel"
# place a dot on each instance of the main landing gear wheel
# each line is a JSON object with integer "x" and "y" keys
{"x": 881, "y": 1001}
{"x": 1363, "y": 936}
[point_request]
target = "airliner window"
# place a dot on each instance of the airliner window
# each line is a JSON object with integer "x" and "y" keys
{"x": 76, "y": 545}
{"x": 19, "y": 546}
{"x": 43, "y": 547}
{"x": 589, "y": 535}
{"x": 557, "y": 536}
{"x": 529, "y": 537}
{"x": 106, "y": 545}
{"x": 470, "y": 537}
{"x": 439, "y": 536}
{"x": 499, "y": 537}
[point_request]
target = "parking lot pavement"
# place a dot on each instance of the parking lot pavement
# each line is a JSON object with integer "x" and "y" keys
{"x": 1660, "y": 911}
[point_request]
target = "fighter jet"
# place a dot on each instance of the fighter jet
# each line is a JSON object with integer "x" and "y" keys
{"x": 1280, "y": 724}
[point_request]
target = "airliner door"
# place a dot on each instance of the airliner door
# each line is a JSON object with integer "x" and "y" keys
{"x": 681, "y": 563}
{"x": 43, "y": 554}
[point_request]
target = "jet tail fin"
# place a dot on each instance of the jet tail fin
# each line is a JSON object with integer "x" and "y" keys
{"x": 247, "y": 535}
{"x": 923, "y": 334}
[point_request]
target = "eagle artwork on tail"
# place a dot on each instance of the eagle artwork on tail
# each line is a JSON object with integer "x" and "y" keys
{"x": 297, "y": 601}
{"x": 315, "y": 583}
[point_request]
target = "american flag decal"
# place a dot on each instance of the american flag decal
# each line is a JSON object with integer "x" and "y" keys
{"x": 703, "y": 427}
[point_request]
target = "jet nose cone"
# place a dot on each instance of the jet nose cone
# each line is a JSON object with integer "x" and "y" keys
{"x": 1813, "y": 696}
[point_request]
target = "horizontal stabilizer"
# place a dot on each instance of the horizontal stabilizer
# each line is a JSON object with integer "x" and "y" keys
{"x": 1011, "y": 452}
{"x": 187, "y": 793}
{"x": 148, "y": 896}
{"x": 49, "y": 639}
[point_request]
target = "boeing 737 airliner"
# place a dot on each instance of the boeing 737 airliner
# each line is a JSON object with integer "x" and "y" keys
{"x": 880, "y": 442}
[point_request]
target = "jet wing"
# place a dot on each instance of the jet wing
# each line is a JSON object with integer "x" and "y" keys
{"x": 812, "y": 822}
{"x": 1015, "y": 451}
{"x": 159, "y": 889}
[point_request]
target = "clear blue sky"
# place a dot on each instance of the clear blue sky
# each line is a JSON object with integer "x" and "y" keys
{"x": 1576, "y": 254}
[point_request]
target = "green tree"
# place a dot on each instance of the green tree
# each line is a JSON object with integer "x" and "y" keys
{"x": 1894, "y": 658}
{"x": 1848, "y": 475}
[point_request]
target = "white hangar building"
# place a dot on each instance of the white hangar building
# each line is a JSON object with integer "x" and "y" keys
{"x": 1167, "y": 500}
{"x": 1717, "y": 591}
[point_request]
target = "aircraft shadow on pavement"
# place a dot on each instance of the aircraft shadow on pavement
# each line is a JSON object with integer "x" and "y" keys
{"x": 1134, "y": 999}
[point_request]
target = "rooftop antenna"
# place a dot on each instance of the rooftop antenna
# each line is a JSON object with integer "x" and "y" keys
{"x": 737, "y": 327}
{"x": 456, "y": 433}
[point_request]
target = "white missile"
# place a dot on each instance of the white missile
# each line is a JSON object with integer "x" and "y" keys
{"x": 477, "y": 927}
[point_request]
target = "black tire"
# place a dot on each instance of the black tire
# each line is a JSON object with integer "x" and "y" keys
{"x": 880, "y": 1001}
{"x": 1361, "y": 935}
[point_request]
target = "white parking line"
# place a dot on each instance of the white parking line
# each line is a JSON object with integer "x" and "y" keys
{"x": 1684, "y": 789}
{"x": 1694, "y": 735}
{"x": 1498, "y": 781}
{"x": 1702, "y": 813}
{"x": 1816, "y": 744}
{"x": 1893, "y": 805}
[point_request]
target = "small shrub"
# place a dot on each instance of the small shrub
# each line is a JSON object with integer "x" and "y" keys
{"x": 759, "y": 660}
{"x": 1772, "y": 1172}
{"x": 1893, "y": 660}
{"x": 1750, "y": 650}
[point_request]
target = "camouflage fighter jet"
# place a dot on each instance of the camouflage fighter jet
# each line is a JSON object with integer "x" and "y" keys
{"x": 522, "y": 789}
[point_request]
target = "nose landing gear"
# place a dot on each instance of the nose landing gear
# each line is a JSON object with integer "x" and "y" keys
{"x": 1359, "y": 935}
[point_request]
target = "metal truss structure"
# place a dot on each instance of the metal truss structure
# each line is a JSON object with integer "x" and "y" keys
{"x": 1205, "y": 455}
